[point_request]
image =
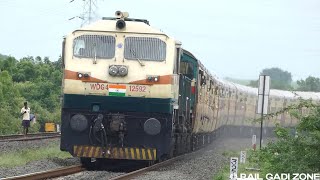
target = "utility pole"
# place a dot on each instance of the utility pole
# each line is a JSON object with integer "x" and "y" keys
{"x": 263, "y": 100}
{"x": 89, "y": 13}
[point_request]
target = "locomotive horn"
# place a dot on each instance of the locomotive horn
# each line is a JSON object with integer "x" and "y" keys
{"x": 118, "y": 14}
{"x": 125, "y": 14}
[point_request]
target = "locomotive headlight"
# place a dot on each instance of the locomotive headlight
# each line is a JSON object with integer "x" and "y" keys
{"x": 78, "y": 122}
{"x": 123, "y": 71}
{"x": 113, "y": 70}
{"x": 120, "y": 24}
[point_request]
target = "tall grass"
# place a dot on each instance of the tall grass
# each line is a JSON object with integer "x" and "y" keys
{"x": 22, "y": 157}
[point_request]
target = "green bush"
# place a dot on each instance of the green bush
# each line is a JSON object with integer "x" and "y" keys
{"x": 293, "y": 153}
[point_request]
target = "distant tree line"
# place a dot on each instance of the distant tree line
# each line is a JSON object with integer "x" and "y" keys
{"x": 282, "y": 80}
{"x": 35, "y": 80}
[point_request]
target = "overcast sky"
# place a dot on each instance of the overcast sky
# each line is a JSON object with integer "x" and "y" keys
{"x": 234, "y": 38}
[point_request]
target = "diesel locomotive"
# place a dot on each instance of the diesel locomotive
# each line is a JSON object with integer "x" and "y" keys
{"x": 131, "y": 92}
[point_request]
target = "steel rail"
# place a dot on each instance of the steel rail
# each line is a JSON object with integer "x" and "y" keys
{"x": 142, "y": 171}
{"x": 36, "y": 136}
{"x": 49, "y": 174}
{"x": 28, "y": 135}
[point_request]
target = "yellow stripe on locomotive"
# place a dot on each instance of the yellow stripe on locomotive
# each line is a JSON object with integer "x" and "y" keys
{"x": 130, "y": 153}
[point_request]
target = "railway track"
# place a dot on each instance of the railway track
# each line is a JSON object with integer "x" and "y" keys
{"x": 78, "y": 168}
{"x": 142, "y": 171}
{"x": 29, "y": 137}
{"x": 49, "y": 174}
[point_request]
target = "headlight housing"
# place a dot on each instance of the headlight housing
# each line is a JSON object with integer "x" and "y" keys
{"x": 152, "y": 126}
{"x": 113, "y": 70}
{"x": 118, "y": 70}
{"x": 78, "y": 123}
{"x": 123, "y": 70}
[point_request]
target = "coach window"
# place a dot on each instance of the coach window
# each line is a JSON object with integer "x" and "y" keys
{"x": 216, "y": 90}
{"x": 94, "y": 46}
{"x": 144, "y": 48}
{"x": 210, "y": 84}
{"x": 222, "y": 93}
{"x": 202, "y": 78}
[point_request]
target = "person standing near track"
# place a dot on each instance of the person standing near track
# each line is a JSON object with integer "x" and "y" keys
{"x": 25, "y": 112}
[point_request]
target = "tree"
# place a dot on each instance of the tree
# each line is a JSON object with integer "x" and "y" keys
{"x": 309, "y": 84}
{"x": 3, "y": 56}
{"x": 26, "y": 71}
{"x": 46, "y": 60}
{"x": 7, "y": 88}
{"x": 253, "y": 83}
{"x": 280, "y": 79}
{"x": 38, "y": 60}
{"x": 36, "y": 80}
{"x": 8, "y": 64}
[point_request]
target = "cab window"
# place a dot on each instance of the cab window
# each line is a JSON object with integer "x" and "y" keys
{"x": 94, "y": 46}
{"x": 186, "y": 68}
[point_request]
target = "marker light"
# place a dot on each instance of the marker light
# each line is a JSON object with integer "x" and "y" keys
{"x": 86, "y": 75}
{"x": 153, "y": 78}
{"x": 80, "y": 75}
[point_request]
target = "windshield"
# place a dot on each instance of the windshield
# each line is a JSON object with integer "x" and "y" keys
{"x": 94, "y": 46}
{"x": 144, "y": 48}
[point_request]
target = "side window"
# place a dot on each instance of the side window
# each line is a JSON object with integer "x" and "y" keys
{"x": 202, "y": 78}
{"x": 211, "y": 89}
{"x": 177, "y": 58}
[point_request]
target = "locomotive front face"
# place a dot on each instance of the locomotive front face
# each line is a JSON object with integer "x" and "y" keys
{"x": 119, "y": 90}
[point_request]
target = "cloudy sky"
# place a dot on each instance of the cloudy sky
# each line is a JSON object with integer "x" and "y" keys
{"x": 234, "y": 38}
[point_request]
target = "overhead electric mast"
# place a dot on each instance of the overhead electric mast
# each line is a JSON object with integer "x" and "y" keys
{"x": 89, "y": 12}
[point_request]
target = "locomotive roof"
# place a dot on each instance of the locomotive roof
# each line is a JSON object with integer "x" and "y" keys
{"x": 132, "y": 26}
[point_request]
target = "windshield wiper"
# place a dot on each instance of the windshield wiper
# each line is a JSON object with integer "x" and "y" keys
{"x": 95, "y": 54}
{"x": 134, "y": 54}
